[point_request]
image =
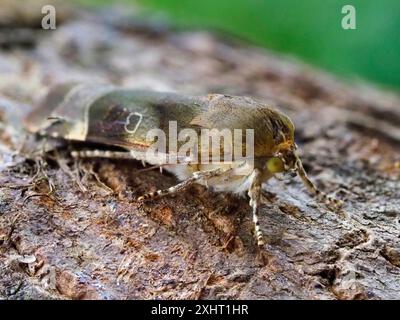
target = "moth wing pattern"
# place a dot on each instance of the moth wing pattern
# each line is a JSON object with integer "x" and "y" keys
{"x": 63, "y": 113}
{"x": 37, "y": 120}
{"x": 104, "y": 114}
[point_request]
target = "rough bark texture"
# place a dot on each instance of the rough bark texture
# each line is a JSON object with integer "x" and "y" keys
{"x": 88, "y": 239}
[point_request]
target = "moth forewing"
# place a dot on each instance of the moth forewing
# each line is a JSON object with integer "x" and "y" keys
{"x": 249, "y": 142}
{"x": 38, "y": 118}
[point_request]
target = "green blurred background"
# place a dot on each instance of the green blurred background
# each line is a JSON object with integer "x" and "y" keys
{"x": 309, "y": 30}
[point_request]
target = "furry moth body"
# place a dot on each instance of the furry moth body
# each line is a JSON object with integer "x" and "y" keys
{"x": 121, "y": 118}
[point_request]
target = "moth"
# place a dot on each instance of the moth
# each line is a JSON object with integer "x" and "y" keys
{"x": 122, "y": 118}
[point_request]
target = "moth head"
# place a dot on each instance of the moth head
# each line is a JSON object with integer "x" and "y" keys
{"x": 289, "y": 158}
{"x": 283, "y": 163}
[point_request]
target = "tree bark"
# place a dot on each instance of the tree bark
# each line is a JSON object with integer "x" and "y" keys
{"x": 89, "y": 239}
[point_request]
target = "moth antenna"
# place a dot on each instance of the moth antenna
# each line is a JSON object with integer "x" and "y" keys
{"x": 255, "y": 195}
{"x": 322, "y": 196}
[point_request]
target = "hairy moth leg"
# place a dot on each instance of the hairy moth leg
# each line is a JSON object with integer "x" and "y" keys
{"x": 112, "y": 155}
{"x": 197, "y": 176}
{"x": 101, "y": 154}
{"x": 254, "y": 193}
{"x": 322, "y": 196}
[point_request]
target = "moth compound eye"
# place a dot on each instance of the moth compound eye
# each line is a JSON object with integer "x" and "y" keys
{"x": 275, "y": 165}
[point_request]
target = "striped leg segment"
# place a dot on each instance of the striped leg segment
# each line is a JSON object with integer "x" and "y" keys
{"x": 255, "y": 195}
{"x": 113, "y": 155}
{"x": 199, "y": 175}
{"x": 132, "y": 154}
{"x": 101, "y": 154}
{"x": 170, "y": 190}
{"x": 321, "y": 196}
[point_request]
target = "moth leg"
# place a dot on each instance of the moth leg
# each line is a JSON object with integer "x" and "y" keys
{"x": 101, "y": 154}
{"x": 197, "y": 176}
{"x": 171, "y": 190}
{"x": 254, "y": 193}
{"x": 322, "y": 196}
{"x": 113, "y": 155}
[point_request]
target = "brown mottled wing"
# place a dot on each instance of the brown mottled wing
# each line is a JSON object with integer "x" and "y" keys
{"x": 38, "y": 119}
{"x": 63, "y": 113}
{"x": 107, "y": 115}
{"x": 124, "y": 117}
